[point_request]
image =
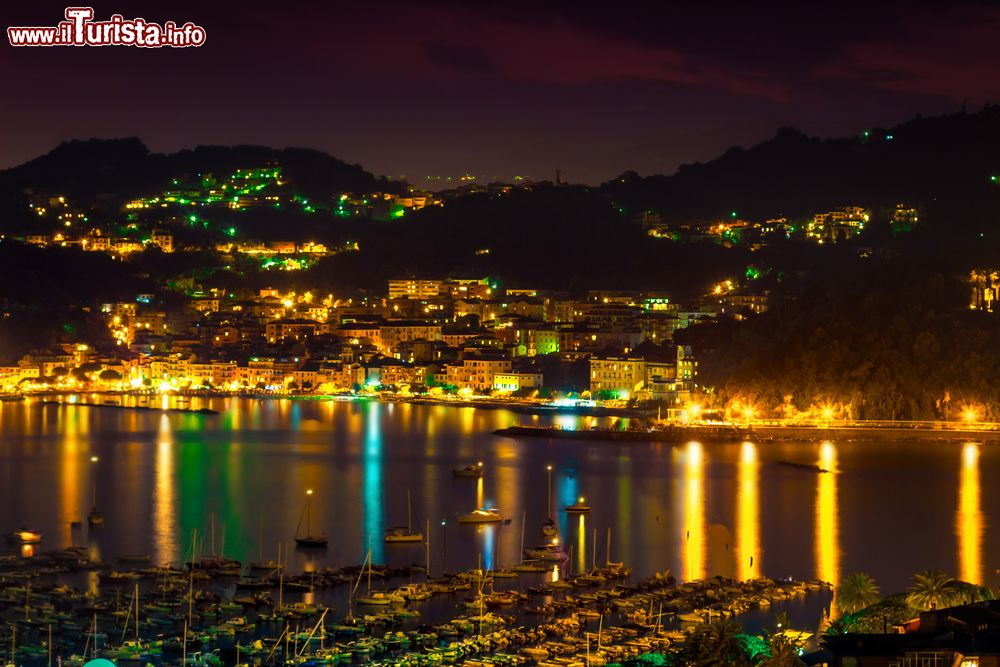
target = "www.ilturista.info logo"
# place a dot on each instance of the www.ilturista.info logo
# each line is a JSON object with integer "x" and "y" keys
{"x": 79, "y": 29}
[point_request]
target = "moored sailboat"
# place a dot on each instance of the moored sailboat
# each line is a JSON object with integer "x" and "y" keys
{"x": 403, "y": 535}
{"x": 309, "y": 539}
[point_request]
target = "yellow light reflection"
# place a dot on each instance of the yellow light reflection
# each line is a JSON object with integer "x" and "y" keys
{"x": 748, "y": 514}
{"x": 164, "y": 517}
{"x": 581, "y": 543}
{"x": 480, "y": 493}
{"x": 827, "y": 547}
{"x": 693, "y": 551}
{"x": 969, "y": 518}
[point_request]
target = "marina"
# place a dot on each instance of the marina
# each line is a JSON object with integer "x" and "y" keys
{"x": 205, "y": 613}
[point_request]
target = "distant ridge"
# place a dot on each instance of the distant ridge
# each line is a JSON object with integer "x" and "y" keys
{"x": 941, "y": 163}
{"x": 126, "y": 168}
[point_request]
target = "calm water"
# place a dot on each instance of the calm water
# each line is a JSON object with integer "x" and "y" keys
{"x": 698, "y": 510}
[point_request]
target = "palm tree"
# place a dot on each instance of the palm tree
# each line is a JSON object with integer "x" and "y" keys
{"x": 837, "y": 626}
{"x": 718, "y": 642}
{"x": 931, "y": 589}
{"x": 782, "y": 652}
{"x": 856, "y": 592}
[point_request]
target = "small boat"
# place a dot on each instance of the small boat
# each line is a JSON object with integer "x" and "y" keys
{"x": 481, "y": 516}
{"x": 547, "y": 552}
{"x": 402, "y": 534}
{"x": 473, "y": 471}
{"x": 579, "y": 507}
{"x": 134, "y": 558}
{"x": 528, "y": 566}
{"x": 95, "y": 518}
{"x": 252, "y": 584}
{"x": 309, "y": 540}
{"x": 376, "y": 598}
{"x": 24, "y": 535}
{"x": 405, "y": 534}
{"x": 312, "y": 541}
{"x": 266, "y": 565}
{"x": 811, "y": 467}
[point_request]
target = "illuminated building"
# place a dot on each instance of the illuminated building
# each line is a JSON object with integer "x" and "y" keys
{"x": 394, "y": 332}
{"x": 479, "y": 371}
{"x": 162, "y": 240}
{"x": 904, "y": 218}
{"x": 620, "y": 377}
{"x": 841, "y": 224}
{"x": 411, "y": 288}
{"x": 516, "y": 381}
{"x": 291, "y": 329}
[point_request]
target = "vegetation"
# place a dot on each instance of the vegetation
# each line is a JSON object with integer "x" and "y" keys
{"x": 890, "y": 342}
{"x": 857, "y": 591}
{"x": 931, "y": 589}
{"x": 718, "y": 642}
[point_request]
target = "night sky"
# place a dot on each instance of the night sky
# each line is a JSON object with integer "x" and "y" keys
{"x": 500, "y": 89}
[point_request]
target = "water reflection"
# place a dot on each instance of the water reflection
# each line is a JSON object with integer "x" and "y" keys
{"x": 748, "y": 514}
{"x": 489, "y": 545}
{"x": 162, "y": 476}
{"x": 969, "y": 518}
{"x": 373, "y": 529}
{"x": 827, "y": 547}
{"x": 693, "y": 551}
{"x": 164, "y": 517}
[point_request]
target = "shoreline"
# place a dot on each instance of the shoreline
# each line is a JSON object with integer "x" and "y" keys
{"x": 522, "y": 407}
{"x": 728, "y": 434}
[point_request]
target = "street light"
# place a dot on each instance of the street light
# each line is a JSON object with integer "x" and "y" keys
{"x": 970, "y": 415}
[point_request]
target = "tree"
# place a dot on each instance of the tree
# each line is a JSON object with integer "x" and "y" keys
{"x": 856, "y": 592}
{"x": 110, "y": 375}
{"x": 718, "y": 642}
{"x": 931, "y": 589}
{"x": 782, "y": 651}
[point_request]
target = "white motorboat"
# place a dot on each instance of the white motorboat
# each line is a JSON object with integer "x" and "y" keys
{"x": 481, "y": 515}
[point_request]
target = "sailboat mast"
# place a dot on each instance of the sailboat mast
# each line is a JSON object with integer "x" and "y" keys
{"x": 524, "y": 520}
{"x": 427, "y": 548}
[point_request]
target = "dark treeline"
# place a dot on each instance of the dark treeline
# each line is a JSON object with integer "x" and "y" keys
{"x": 895, "y": 340}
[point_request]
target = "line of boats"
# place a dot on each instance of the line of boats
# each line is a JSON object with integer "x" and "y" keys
{"x": 203, "y": 614}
